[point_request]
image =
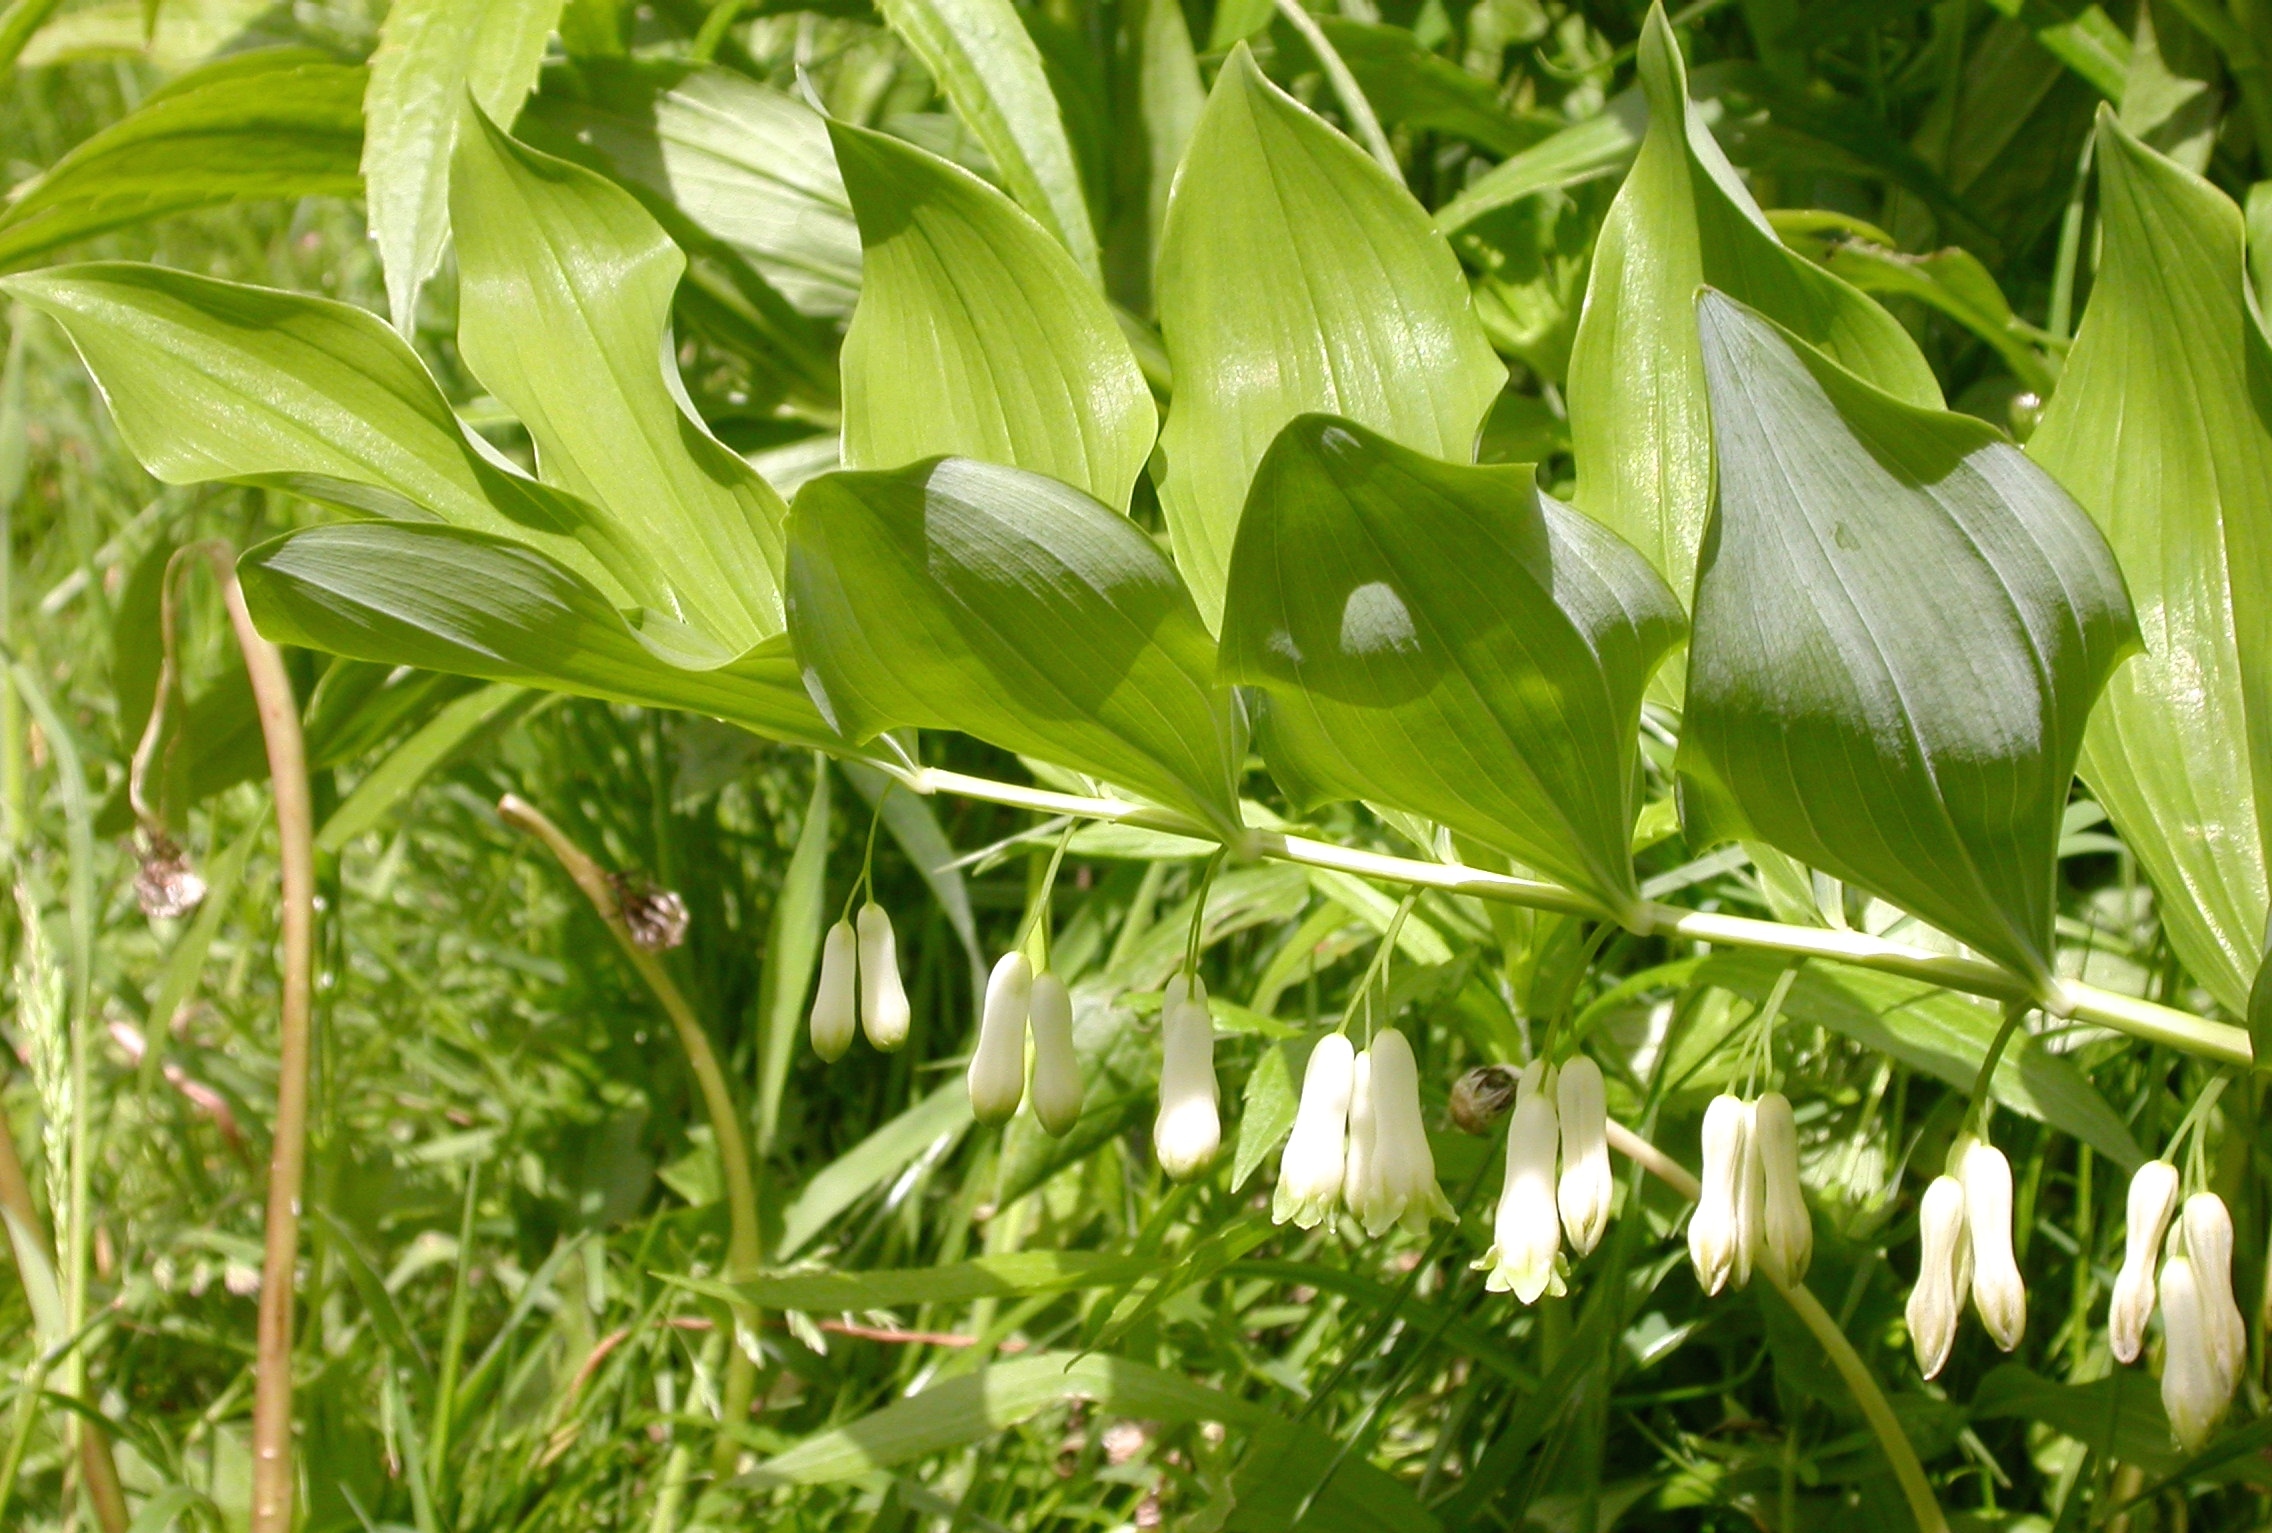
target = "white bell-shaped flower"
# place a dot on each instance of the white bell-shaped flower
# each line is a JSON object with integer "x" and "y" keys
{"x": 1310, "y": 1170}
{"x": 1997, "y": 1290}
{"x": 1056, "y": 1069}
{"x": 997, "y": 1075}
{"x": 2195, "y": 1387}
{"x": 1786, "y": 1230}
{"x": 1588, "y": 1189}
{"x": 884, "y": 1011}
{"x": 834, "y": 1014}
{"x": 1189, "y": 1128}
{"x": 2153, "y": 1198}
{"x": 2209, "y": 1247}
{"x": 1400, "y": 1183}
{"x": 1944, "y": 1270}
{"x": 1720, "y": 1229}
{"x": 1527, "y": 1230}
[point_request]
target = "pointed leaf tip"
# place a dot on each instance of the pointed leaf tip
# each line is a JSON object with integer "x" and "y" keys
{"x": 1901, "y": 625}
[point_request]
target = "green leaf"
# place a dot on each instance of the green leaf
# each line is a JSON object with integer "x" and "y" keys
{"x": 2259, "y": 1015}
{"x": 1587, "y": 150}
{"x": 962, "y": 595}
{"x": 977, "y": 1405}
{"x": 431, "y": 55}
{"x": 411, "y": 762}
{"x": 275, "y": 123}
{"x": 1331, "y": 294}
{"x": 446, "y": 599}
{"x": 1448, "y": 640}
{"x": 746, "y": 164}
{"x": 2160, "y": 430}
{"x": 214, "y": 380}
{"x": 1173, "y": 98}
{"x": 2119, "y": 1416}
{"x": 564, "y": 289}
{"x": 1940, "y": 1033}
{"x": 991, "y": 73}
{"x": 1639, "y": 420}
{"x": 869, "y": 1164}
{"x": 1266, "y": 1109}
{"x": 1901, "y": 625}
{"x": 976, "y": 335}
{"x": 1412, "y": 88}
{"x": 1014, "y": 1275}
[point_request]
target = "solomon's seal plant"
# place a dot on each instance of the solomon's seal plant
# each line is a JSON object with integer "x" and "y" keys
{"x": 1414, "y": 512}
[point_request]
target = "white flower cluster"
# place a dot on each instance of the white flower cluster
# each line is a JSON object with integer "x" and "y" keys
{"x": 2204, "y": 1339}
{"x": 1018, "y": 1002}
{"x": 883, "y": 1011}
{"x": 1751, "y": 1210}
{"x": 1359, "y": 1141}
{"x": 1559, "y": 1115}
{"x": 1965, "y": 1235}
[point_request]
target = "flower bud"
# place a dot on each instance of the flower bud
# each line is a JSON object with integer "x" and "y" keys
{"x": 2209, "y": 1247}
{"x": 1400, "y": 1185}
{"x": 1188, "y": 1130}
{"x": 1786, "y": 1229}
{"x": 833, "y": 1012}
{"x": 1997, "y": 1291}
{"x": 1527, "y": 1230}
{"x": 1588, "y": 1187}
{"x": 1942, "y": 1273}
{"x": 2195, "y": 1387}
{"x": 1310, "y": 1171}
{"x": 997, "y": 1075}
{"x": 2153, "y": 1198}
{"x": 1720, "y": 1233}
{"x": 883, "y": 1000}
{"x": 1056, "y": 1069}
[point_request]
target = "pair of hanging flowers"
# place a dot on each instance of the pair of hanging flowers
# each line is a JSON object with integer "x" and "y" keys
{"x": 868, "y": 951}
{"x": 2204, "y": 1339}
{"x": 1751, "y": 1212}
{"x": 1560, "y": 1124}
{"x": 1360, "y": 1147}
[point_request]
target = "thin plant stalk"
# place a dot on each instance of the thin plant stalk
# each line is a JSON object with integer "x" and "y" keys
{"x": 745, "y": 1251}
{"x": 2144, "y": 1019}
{"x": 1884, "y": 1425}
{"x": 1364, "y": 122}
{"x": 98, "y": 1470}
{"x": 279, "y": 713}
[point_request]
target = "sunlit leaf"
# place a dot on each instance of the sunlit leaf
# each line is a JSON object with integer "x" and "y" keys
{"x": 989, "y": 69}
{"x": 1329, "y": 293}
{"x": 1451, "y": 641}
{"x": 215, "y": 380}
{"x": 1901, "y": 625}
{"x": 564, "y": 289}
{"x": 1639, "y": 420}
{"x": 446, "y": 599}
{"x": 745, "y": 163}
{"x": 431, "y": 55}
{"x": 2160, "y": 430}
{"x": 977, "y": 336}
{"x": 275, "y": 123}
{"x": 961, "y": 595}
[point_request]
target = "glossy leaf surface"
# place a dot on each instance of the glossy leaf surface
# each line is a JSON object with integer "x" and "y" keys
{"x": 274, "y": 123}
{"x": 988, "y": 67}
{"x": 977, "y": 336}
{"x": 446, "y": 599}
{"x": 565, "y": 287}
{"x": 1448, "y": 640}
{"x": 2160, "y": 430}
{"x": 961, "y": 595}
{"x": 747, "y": 164}
{"x": 1901, "y": 625}
{"x": 1639, "y": 419}
{"x": 1296, "y": 276}
{"x": 215, "y": 380}
{"x": 432, "y": 54}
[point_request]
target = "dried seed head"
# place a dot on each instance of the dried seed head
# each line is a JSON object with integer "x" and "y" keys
{"x": 1483, "y": 1096}
{"x": 166, "y": 886}
{"x": 655, "y": 916}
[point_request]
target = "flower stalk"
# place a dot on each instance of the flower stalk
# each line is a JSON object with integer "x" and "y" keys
{"x": 2139, "y": 1018}
{"x": 745, "y": 1251}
